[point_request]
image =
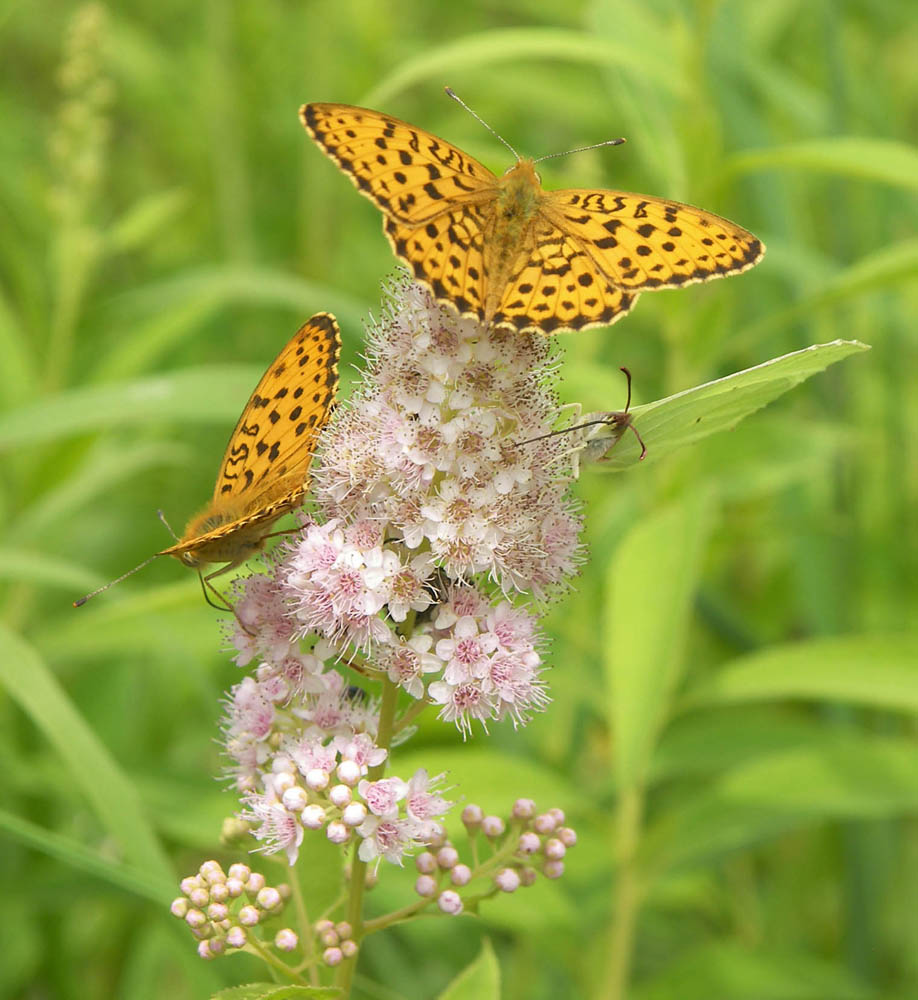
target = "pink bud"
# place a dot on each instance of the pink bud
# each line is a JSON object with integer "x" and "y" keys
{"x": 447, "y": 857}
{"x": 472, "y": 816}
{"x": 337, "y": 832}
{"x": 235, "y": 937}
{"x": 460, "y": 875}
{"x": 523, "y": 809}
{"x": 554, "y": 849}
{"x": 332, "y": 956}
{"x": 493, "y": 826}
{"x": 425, "y": 885}
{"x": 285, "y": 940}
{"x": 553, "y": 869}
{"x": 179, "y": 907}
{"x": 567, "y": 836}
{"x": 340, "y": 795}
{"x": 507, "y": 880}
{"x": 450, "y": 902}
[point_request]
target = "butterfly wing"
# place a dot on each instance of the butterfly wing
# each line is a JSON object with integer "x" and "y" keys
{"x": 412, "y": 176}
{"x": 447, "y": 255}
{"x": 642, "y": 243}
{"x": 556, "y": 285}
{"x": 264, "y": 469}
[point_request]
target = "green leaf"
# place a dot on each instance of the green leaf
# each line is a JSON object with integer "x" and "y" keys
{"x": 503, "y": 45}
{"x": 873, "y": 671}
{"x": 649, "y": 590}
{"x": 111, "y": 793}
{"x": 23, "y": 565}
{"x": 272, "y": 991}
{"x": 478, "y": 981}
{"x": 145, "y": 219}
{"x": 881, "y": 160}
{"x": 201, "y": 395}
{"x": 846, "y": 777}
{"x": 80, "y": 858}
{"x": 676, "y": 421}
{"x": 727, "y": 970}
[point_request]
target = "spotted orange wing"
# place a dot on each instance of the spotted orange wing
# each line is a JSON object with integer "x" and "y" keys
{"x": 264, "y": 472}
{"x": 509, "y": 253}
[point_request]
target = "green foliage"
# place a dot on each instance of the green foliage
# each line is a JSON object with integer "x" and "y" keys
{"x": 736, "y": 679}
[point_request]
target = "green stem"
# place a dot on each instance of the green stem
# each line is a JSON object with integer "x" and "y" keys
{"x": 627, "y": 894}
{"x": 306, "y": 933}
{"x": 345, "y": 977}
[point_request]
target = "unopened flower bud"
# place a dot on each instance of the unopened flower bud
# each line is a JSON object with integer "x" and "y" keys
{"x": 340, "y": 795}
{"x": 544, "y": 823}
{"x": 195, "y": 919}
{"x": 179, "y": 907}
{"x": 189, "y": 884}
{"x": 558, "y": 815}
{"x": 235, "y": 887}
{"x": 323, "y": 926}
{"x": 255, "y": 883}
{"x": 285, "y": 940}
{"x": 235, "y": 937}
{"x": 249, "y": 916}
{"x": 472, "y": 816}
{"x": 268, "y": 898}
{"x": 295, "y": 798}
{"x": 283, "y": 781}
{"x": 204, "y": 950}
{"x": 239, "y": 871}
{"x": 553, "y": 869}
{"x": 343, "y": 929}
{"x": 199, "y": 897}
{"x": 523, "y": 809}
{"x": 219, "y": 893}
{"x": 460, "y": 875}
{"x": 317, "y": 779}
{"x": 354, "y": 814}
{"x": 447, "y": 857}
{"x": 425, "y": 885}
{"x": 349, "y": 772}
{"x": 450, "y": 902}
{"x": 507, "y": 880}
{"x": 217, "y": 911}
{"x": 554, "y": 849}
{"x": 567, "y": 836}
{"x": 493, "y": 826}
{"x": 528, "y": 876}
{"x": 529, "y": 842}
{"x": 329, "y": 938}
{"x": 332, "y": 956}
{"x": 425, "y": 862}
{"x": 337, "y": 832}
{"x": 349, "y": 948}
{"x": 313, "y": 817}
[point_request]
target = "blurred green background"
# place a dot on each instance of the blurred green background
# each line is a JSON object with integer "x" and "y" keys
{"x": 735, "y": 698}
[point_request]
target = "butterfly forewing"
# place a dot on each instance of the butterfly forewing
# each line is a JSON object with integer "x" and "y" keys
{"x": 411, "y": 175}
{"x": 264, "y": 471}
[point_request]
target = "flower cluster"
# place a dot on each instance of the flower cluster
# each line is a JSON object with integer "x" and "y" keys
{"x": 223, "y": 908}
{"x": 437, "y": 504}
{"x": 530, "y": 842}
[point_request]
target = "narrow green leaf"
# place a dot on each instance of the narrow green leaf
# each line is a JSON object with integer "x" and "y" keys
{"x": 77, "y": 856}
{"x": 200, "y": 395}
{"x": 111, "y": 793}
{"x": 145, "y": 219}
{"x": 873, "y": 671}
{"x": 26, "y": 566}
{"x": 649, "y": 589}
{"x": 676, "y": 421}
{"x": 478, "y": 981}
{"x": 883, "y": 160}
{"x": 503, "y": 45}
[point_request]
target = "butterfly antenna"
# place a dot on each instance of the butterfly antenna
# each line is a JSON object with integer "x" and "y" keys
{"x": 581, "y": 149}
{"x": 451, "y": 93}
{"x": 124, "y": 576}
{"x": 162, "y": 518}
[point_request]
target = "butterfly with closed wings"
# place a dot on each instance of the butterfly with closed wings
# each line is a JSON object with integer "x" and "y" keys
{"x": 264, "y": 472}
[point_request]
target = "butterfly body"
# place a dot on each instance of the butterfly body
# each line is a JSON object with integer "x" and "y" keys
{"x": 509, "y": 253}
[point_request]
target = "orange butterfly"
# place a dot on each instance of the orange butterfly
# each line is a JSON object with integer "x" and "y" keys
{"x": 264, "y": 472}
{"x": 507, "y": 252}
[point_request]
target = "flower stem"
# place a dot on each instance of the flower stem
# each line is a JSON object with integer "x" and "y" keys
{"x": 359, "y": 868}
{"x": 627, "y": 894}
